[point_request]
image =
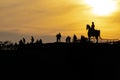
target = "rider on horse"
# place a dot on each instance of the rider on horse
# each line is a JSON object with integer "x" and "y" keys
{"x": 93, "y": 26}
{"x": 93, "y": 32}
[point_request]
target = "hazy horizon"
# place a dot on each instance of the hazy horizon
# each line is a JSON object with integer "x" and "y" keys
{"x": 45, "y": 18}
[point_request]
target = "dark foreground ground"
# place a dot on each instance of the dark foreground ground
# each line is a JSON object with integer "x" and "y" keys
{"x": 91, "y": 61}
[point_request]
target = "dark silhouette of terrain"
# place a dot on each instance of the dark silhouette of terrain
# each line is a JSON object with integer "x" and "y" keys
{"x": 96, "y": 61}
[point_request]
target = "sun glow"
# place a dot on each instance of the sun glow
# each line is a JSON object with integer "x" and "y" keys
{"x": 102, "y": 7}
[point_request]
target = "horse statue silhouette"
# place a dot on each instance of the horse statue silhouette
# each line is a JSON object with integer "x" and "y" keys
{"x": 93, "y": 33}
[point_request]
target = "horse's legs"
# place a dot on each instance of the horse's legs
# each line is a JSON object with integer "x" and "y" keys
{"x": 57, "y": 40}
{"x": 89, "y": 38}
{"x": 96, "y": 39}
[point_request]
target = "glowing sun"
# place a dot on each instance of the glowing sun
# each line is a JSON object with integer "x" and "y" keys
{"x": 102, "y": 7}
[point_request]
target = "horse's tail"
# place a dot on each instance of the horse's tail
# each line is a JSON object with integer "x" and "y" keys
{"x": 100, "y": 37}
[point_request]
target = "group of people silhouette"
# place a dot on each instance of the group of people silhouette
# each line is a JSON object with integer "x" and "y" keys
{"x": 23, "y": 41}
{"x": 91, "y": 32}
{"x": 58, "y": 37}
{"x": 68, "y": 38}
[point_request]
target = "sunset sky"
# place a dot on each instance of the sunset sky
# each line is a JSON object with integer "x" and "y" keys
{"x": 45, "y": 18}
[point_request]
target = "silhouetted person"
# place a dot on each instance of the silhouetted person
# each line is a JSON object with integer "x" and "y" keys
{"x": 21, "y": 43}
{"x": 93, "y": 26}
{"x": 39, "y": 41}
{"x": 83, "y": 39}
{"x": 24, "y": 40}
{"x": 58, "y": 36}
{"x": 32, "y": 39}
{"x": 68, "y": 39}
{"x": 74, "y": 38}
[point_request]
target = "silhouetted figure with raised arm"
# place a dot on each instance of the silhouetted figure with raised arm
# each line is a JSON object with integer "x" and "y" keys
{"x": 58, "y": 36}
{"x": 68, "y": 39}
{"x": 74, "y": 38}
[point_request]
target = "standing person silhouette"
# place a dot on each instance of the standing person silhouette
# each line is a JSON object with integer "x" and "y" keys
{"x": 74, "y": 38}
{"x": 32, "y": 39}
{"x": 58, "y": 36}
{"x": 68, "y": 39}
{"x": 93, "y": 26}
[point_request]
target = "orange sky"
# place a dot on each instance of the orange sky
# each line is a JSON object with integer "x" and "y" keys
{"x": 45, "y": 18}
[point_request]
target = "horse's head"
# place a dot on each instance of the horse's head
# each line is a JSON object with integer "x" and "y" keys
{"x": 87, "y": 27}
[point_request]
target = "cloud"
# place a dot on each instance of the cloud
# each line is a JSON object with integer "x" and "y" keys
{"x": 22, "y": 13}
{"x": 45, "y": 17}
{"x": 38, "y": 17}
